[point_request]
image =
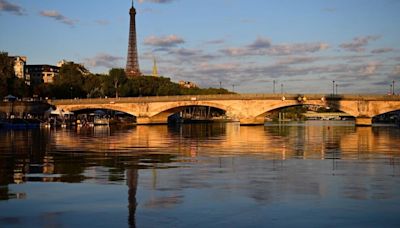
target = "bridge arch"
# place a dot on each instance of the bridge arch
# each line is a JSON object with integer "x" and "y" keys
{"x": 285, "y": 104}
{"x": 171, "y": 108}
{"x": 114, "y": 107}
{"x": 387, "y": 109}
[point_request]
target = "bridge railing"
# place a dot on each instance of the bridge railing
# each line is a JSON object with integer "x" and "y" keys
{"x": 370, "y": 97}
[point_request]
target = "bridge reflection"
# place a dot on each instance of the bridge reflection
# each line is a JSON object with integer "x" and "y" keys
{"x": 103, "y": 155}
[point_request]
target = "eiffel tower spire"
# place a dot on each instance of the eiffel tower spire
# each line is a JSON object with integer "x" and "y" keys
{"x": 155, "y": 69}
{"x": 132, "y": 62}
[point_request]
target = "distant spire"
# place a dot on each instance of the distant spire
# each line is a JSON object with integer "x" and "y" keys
{"x": 132, "y": 3}
{"x": 155, "y": 69}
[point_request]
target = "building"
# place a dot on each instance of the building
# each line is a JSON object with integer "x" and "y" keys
{"x": 132, "y": 63}
{"x": 19, "y": 67}
{"x": 39, "y": 74}
{"x": 79, "y": 66}
{"x": 188, "y": 85}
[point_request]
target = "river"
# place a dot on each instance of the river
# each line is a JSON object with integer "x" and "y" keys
{"x": 316, "y": 174}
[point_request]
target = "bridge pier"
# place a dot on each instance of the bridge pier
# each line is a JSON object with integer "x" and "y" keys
{"x": 149, "y": 120}
{"x": 363, "y": 121}
{"x": 252, "y": 121}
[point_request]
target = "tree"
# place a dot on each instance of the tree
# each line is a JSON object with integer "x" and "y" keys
{"x": 69, "y": 83}
{"x": 117, "y": 77}
{"x": 9, "y": 83}
{"x": 7, "y": 74}
{"x": 93, "y": 86}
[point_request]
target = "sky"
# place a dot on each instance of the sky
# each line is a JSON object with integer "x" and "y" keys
{"x": 242, "y": 45}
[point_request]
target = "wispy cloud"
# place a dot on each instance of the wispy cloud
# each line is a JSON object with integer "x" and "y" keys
{"x": 358, "y": 44}
{"x": 165, "y": 41}
{"x": 299, "y": 48}
{"x": 103, "y": 60}
{"x": 11, "y": 8}
{"x": 369, "y": 69}
{"x": 263, "y": 46}
{"x": 58, "y": 17}
{"x": 297, "y": 60}
{"x": 217, "y": 41}
{"x": 381, "y": 50}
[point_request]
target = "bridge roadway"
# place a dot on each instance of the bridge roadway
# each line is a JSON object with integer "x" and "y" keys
{"x": 248, "y": 109}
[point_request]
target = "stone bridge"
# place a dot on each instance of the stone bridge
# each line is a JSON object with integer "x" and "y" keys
{"x": 248, "y": 109}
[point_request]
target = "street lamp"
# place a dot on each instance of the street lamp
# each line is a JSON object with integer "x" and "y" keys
{"x": 337, "y": 89}
{"x": 333, "y": 87}
{"x": 274, "y": 82}
{"x": 70, "y": 92}
{"x": 393, "y": 87}
{"x": 282, "y": 88}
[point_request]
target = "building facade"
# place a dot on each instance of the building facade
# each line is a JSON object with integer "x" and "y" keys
{"x": 39, "y": 74}
{"x": 188, "y": 85}
{"x": 19, "y": 67}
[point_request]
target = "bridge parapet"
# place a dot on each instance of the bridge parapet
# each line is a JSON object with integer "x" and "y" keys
{"x": 364, "y": 97}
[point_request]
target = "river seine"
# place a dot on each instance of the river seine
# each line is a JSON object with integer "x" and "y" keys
{"x": 313, "y": 174}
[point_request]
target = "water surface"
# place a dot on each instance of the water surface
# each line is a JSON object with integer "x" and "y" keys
{"x": 202, "y": 176}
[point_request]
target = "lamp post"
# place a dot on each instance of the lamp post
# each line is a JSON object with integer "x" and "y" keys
{"x": 233, "y": 88}
{"x": 274, "y": 83}
{"x": 337, "y": 89}
{"x": 70, "y": 92}
{"x": 333, "y": 87}
{"x": 391, "y": 90}
{"x": 393, "y": 87}
{"x": 282, "y": 88}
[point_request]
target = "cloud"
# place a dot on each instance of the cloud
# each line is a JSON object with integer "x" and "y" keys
{"x": 299, "y": 48}
{"x": 263, "y": 46}
{"x": 103, "y": 60}
{"x": 166, "y": 41}
{"x": 296, "y": 60}
{"x": 12, "y": 8}
{"x": 369, "y": 69}
{"x": 359, "y": 43}
{"x": 218, "y": 41}
{"x": 157, "y": 1}
{"x": 207, "y": 68}
{"x": 396, "y": 71}
{"x": 58, "y": 17}
{"x": 258, "y": 47}
{"x": 381, "y": 50}
{"x": 260, "y": 43}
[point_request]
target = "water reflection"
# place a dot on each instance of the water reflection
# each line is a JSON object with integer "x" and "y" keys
{"x": 190, "y": 169}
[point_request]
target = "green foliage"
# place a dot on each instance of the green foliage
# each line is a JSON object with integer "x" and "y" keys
{"x": 93, "y": 86}
{"x": 9, "y": 83}
{"x": 70, "y": 82}
{"x": 74, "y": 81}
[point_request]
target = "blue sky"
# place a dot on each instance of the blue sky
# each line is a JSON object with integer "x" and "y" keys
{"x": 302, "y": 44}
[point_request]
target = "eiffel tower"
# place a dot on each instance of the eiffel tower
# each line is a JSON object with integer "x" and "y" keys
{"x": 132, "y": 63}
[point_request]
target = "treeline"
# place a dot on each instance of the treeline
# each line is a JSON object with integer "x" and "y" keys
{"x": 73, "y": 81}
{"x": 9, "y": 84}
